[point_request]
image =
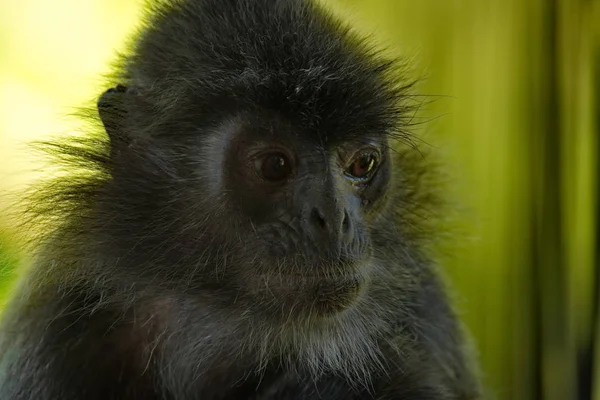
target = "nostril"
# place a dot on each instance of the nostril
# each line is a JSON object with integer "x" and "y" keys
{"x": 346, "y": 222}
{"x": 318, "y": 219}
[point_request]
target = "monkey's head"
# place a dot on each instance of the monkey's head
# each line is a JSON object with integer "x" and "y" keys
{"x": 255, "y": 161}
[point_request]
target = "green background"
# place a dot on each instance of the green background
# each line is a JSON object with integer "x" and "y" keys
{"x": 516, "y": 116}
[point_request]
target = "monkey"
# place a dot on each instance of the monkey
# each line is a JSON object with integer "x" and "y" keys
{"x": 250, "y": 220}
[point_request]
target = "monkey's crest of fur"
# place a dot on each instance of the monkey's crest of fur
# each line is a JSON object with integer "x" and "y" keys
{"x": 193, "y": 63}
{"x": 298, "y": 55}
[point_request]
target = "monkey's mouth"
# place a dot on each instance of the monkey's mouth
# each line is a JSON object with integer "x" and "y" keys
{"x": 316, "y": 294}
{"x": 336, "y": 294}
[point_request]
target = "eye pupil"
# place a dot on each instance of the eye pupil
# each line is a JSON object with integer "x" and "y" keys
{"x": 363, "y": 166}
{"x": 275, "y": 167}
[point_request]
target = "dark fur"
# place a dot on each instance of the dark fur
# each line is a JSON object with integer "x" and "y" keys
{"x": 130, "y": 294}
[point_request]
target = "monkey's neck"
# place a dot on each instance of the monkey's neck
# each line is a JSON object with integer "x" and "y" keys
{"x": 207, "y": 347}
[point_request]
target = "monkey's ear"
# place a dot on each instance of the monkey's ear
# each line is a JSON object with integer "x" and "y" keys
{"x": 112, "y": 109}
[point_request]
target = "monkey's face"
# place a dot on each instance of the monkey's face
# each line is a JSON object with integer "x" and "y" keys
{"x": 295, "y": 211}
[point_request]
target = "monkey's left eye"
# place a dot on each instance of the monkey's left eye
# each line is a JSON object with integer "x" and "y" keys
{"x": 364, "y": 165}
{"x": 274, "y": 167}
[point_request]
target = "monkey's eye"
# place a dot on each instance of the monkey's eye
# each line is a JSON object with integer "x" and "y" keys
{"x": 274, "y": 167}
{"x": 364, "y": 165}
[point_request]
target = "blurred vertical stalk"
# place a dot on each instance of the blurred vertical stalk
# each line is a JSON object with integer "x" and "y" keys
{"x": 564, "y": 161}
{"x": 593, "y": 21}
{"x": 575, "y": 81}
{"x": 555, "y": 363}
{"x": 579, "y": 88}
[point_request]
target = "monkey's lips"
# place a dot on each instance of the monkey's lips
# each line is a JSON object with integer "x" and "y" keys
{"x": 336, "y": 294}
{"x": 321, "y": 294}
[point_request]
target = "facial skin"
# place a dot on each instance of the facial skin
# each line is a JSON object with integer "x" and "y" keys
{"x": 305, "y": 207}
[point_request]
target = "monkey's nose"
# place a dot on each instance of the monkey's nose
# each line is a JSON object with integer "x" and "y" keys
{"x": 333, "y": 226}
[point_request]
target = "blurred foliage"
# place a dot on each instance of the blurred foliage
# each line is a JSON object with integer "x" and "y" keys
{"x": 518, "y": 85}
{"x": 8, "y": 261}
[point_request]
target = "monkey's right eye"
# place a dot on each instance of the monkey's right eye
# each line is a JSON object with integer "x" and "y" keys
{"x": 274, "y": 167}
